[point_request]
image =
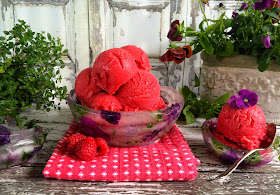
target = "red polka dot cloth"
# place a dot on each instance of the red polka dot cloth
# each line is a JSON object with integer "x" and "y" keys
{"x": 166, "y": 160}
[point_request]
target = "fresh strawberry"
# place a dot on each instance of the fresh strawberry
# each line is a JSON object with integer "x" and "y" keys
{"x": 102, "y": 147}
{"x": 73, "y": 140}
{"x": 86, "y": 149}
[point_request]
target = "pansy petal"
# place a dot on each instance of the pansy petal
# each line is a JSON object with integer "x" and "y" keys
{"x": 243, "y": 93}
{"x": 252, "y": 99}
{"x": 232, "y": 101}
{"x": 173, "y": 24}
{"x": 241, "y": 104}
{"x": 178, "y": 52}
{"x": 167, "y": 57}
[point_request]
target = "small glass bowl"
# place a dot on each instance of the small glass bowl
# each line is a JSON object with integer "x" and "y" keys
{"x": 229, "y": 154}
{"x": 127, "y": 128}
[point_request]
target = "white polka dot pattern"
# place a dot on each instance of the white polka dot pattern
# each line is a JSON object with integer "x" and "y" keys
{"x": 166, "y": 160}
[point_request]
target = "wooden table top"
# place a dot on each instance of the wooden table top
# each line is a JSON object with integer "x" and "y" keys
{"x": 29, "y": 179}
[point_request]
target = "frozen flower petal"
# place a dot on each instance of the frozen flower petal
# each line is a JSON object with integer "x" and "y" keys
{"x": 4, "y": 135}
{"x": 111, "y": 117}
{"x": 91, "y": 128}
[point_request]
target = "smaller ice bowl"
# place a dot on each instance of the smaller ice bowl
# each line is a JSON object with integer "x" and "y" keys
{"x": 229, "y": 154}
{"x": 128, "y": 129}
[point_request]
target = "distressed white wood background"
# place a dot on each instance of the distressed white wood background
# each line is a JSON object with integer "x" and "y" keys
{"x": 88, "y": 27}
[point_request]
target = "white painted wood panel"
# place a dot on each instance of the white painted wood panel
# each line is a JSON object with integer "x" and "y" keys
{"x": 89, "y": 27}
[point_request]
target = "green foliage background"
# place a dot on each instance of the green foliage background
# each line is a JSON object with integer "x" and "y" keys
{"x": 29, "y": 71}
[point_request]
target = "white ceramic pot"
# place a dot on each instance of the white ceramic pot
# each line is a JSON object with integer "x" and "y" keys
{"x": 241, "y": 72}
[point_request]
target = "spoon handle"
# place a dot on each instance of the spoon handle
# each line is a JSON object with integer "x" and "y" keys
{"x": 235, "y": 165}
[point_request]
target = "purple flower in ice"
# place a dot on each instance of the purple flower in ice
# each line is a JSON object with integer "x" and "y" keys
{"x": 243, "y": 100}
{"x": 92, "y": 129}
{"x": 234, "y": 14}
{"x": 266, "y": 41}
{"x": 4, "y": 135}
{"x": 244, "y": 6}
{"x": 172, "y": 113}
{"x": 230, "y": 157}
{"x": 148, "y": 138}
{"x": 111, "y": 117}
{"x": 211, "y": 124}
{"x": 221, "y": 4}
{"x": 261, "y": 4}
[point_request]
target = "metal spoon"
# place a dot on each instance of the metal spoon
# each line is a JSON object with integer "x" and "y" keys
{"x": 271, "y": 133}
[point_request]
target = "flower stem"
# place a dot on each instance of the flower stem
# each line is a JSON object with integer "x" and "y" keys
{"x": 236, "y": 5}
{"x": 181, "y": 41}
{"x": 200, "y": 3}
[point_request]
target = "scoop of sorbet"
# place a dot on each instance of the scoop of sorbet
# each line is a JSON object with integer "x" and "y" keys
{"x": 241, "y": 128}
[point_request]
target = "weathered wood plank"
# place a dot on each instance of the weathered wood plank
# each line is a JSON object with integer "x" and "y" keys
{"x": 28, "y": 179}
{"x": 31, "y": 181}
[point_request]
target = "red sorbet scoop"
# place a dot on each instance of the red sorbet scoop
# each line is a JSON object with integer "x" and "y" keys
{"x": 112, "y": 68}
{"x": 241, "y": 128}
{"x": 85, "y": 85}
{"x": 139, "y": 93}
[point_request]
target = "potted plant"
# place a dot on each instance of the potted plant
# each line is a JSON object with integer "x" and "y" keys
{"x": 29, "y": 72}
{"x": 241, "y": 51}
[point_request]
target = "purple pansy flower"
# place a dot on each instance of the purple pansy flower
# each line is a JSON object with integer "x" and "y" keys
{"x": 234, "y": 14}
{"x": 221, "y": 4}
{"x": 243, "y": 100}
{"x": 148, "y": 138}
{"x": 91, "y": 128}
{"x": 244, "y": 6}
{"x": 173, "y": 34}
{"x": 261, "y": 4}
{"x": 4, "y": 135}
{"x": 110, "y": 116}
{"x": 266, "y": 41}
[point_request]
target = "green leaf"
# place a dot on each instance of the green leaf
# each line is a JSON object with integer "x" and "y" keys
{"x": 264, "y": 63}
{"x": 189, "y": 29}
{"x": 2, "y": 70}
{"x": 187, "y": 93}
{"x": 190, "y": 118}
{"x": 49, "y": 36}
{"x": 228, "y": 23}
{"x": 272, "y": 14}
{"x": 226, "y": 50}
{"x": 196, "y": 81}
{"x": 2, "y": 38}
{"x": 65, "y": 51}
{"x": 222, "y": 99}
{"x": 206, "y": 44}
{"x": 278, "y": 60}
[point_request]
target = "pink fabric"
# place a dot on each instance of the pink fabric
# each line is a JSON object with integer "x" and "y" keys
{"x": 168, "y": 159}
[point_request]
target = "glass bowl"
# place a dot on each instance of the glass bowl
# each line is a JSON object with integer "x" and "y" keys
{"x": 229, "y": 154}
{"x": 128, "y": 128}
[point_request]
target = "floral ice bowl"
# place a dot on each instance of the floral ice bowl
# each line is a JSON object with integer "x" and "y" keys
{"x": 128, "y": 128}
{"x": 229, "y": 154}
